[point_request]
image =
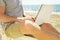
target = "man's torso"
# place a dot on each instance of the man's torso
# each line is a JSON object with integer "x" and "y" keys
{"x": 12, "y": 7}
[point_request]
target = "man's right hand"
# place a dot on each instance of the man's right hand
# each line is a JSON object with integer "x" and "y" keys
{"x": 22, "y": 19}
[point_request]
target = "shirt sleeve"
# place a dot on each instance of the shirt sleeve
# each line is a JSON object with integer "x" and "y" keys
{"x": 2, "y": 3}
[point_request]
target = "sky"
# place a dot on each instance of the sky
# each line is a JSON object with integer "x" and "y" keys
{"x": 40, "y": 2}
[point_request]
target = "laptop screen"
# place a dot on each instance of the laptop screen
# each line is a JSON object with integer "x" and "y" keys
{"x": 44, "y": 14}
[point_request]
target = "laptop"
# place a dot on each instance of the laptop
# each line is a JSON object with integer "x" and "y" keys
{"x": 43, "y": 16}
{"x": 44, "y": 13}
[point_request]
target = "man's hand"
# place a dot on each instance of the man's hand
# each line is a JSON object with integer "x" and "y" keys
{"x": 22, "y": 19}
{"x": 30, "y": 18}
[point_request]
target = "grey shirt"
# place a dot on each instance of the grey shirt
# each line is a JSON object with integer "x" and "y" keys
{"x": 12, "y": 7}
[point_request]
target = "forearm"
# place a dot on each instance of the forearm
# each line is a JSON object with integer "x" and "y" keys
{"x": 4, "y": 18}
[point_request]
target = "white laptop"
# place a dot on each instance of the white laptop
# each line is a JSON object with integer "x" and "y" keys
{"x": 44, "y": 14}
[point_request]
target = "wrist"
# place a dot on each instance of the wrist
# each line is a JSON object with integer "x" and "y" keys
{"x": 21, "y": 19}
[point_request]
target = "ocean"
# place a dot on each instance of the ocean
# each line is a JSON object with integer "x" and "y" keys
{"x": 37, "y": 7}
